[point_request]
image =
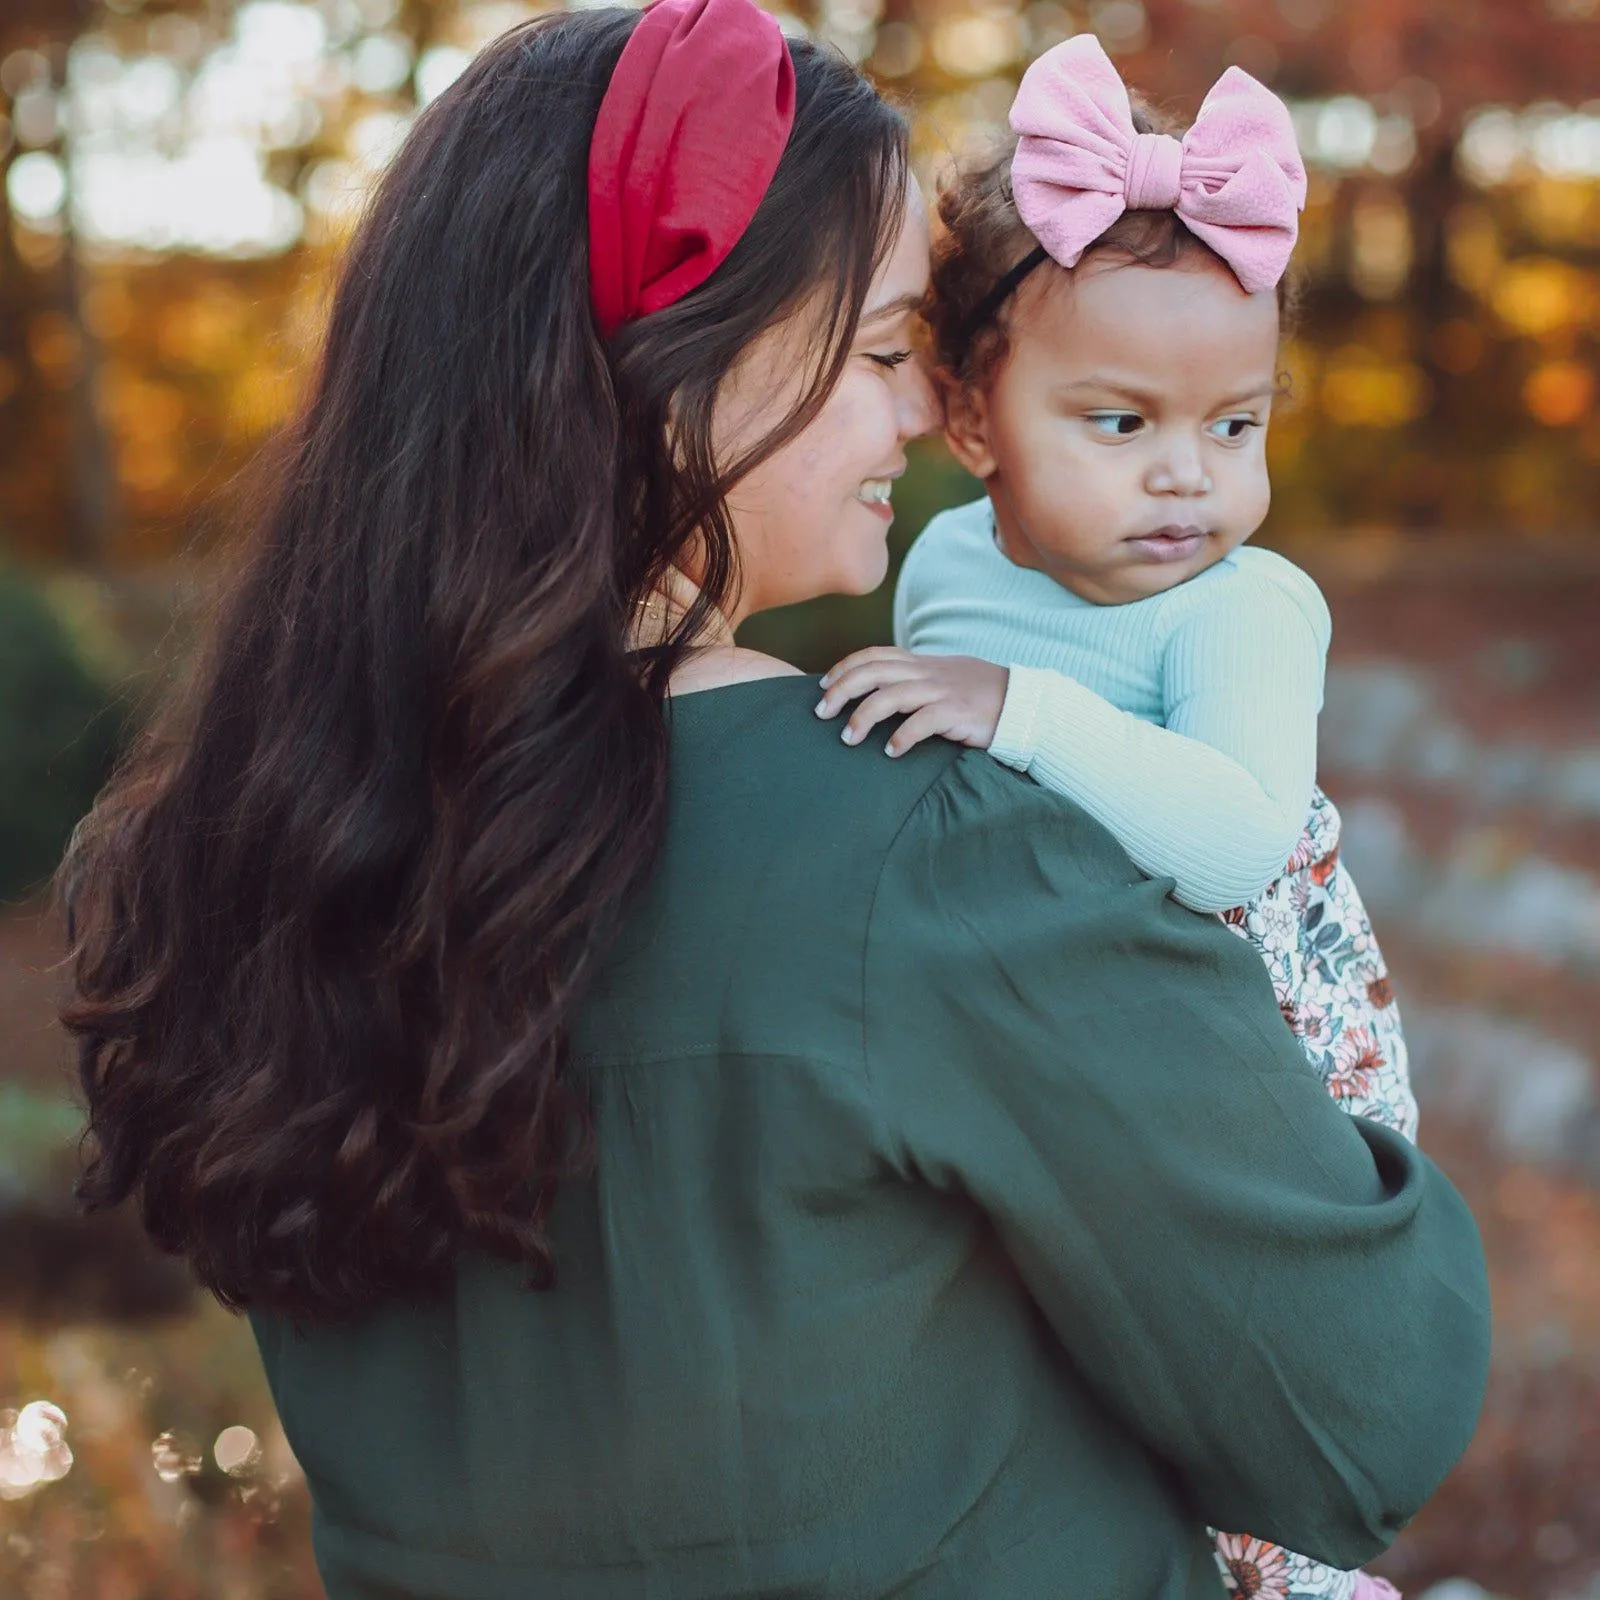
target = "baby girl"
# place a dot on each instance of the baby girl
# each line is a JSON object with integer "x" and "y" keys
{"x": 1107, "y": 306}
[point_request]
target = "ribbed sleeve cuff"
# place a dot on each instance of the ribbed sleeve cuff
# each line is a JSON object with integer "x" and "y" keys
{"x": 1015, "y": 735}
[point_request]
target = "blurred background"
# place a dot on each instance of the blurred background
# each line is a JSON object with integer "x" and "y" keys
{"x": 176, "y": 178}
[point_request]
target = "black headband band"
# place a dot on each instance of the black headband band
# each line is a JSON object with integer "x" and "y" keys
{"x": 1003, "y": 291}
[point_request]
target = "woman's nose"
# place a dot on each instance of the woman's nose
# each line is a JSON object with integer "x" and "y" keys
{"x": 1179, "y": 469}
{"x": 916, "y": 402}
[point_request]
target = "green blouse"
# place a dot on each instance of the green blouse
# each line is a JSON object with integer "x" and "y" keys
{"x": 966, "y": 1223}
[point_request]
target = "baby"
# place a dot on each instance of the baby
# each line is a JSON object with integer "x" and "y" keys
{"x": 1106, "y": 310}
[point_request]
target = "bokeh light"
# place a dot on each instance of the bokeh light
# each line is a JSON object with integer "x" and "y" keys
{"x": 33, "y": 1449}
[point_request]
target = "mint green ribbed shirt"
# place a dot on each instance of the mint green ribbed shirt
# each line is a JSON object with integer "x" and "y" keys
{"x": 1185, "y": 724}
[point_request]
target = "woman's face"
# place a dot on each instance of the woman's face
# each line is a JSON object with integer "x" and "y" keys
{"x": 814, "y": 518}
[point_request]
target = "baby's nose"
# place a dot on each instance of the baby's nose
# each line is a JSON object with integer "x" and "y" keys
{"x": 1180, "y": 470}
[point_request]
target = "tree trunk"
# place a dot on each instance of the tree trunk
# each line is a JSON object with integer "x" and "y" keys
{"x": 91, "y": 497}
{"x": 73, "y": 514}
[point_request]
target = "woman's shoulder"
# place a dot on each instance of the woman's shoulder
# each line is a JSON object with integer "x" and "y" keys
{"x": 817, "y": 878}
{"x": 718, "y": 668}
{"x": 752, "y": 763}
{"x": 787, "y": 854}
{"x": 752, "y": 758}
{"x": 983, "y": 831}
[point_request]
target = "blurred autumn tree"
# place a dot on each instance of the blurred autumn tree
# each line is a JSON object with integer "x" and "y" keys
{"x": 1446, "y": 370}
{"x": 49, "y": 410}
{"x": 178, "y": 174}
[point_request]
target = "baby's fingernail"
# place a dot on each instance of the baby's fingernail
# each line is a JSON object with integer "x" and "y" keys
{"x": 826, "y": 680}
{"x": 849, "y": 734}
{"x": 891, "y": 750}
{"x": 822, "y": 708}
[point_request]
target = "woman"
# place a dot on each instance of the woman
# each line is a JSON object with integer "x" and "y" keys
{"x": 663, "y": 1151}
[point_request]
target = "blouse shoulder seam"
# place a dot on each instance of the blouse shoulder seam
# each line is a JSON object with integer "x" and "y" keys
{"x": 916, "y": 805}
{"x": 710, "y": 1050}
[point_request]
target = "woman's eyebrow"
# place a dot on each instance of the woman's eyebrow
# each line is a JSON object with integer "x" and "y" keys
{"x": 892, "y": 309}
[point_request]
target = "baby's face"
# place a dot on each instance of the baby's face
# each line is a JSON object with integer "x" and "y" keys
{"x": 1123, "y": 439}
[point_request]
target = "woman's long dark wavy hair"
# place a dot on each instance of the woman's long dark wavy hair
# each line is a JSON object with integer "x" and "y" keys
{"x": 331, "y": 919}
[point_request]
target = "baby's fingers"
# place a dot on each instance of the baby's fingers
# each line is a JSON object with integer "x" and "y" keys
{"x": 873, "y": 655}
{"x": 860, "y": 680}
{"x": 930, "y": 722}
{"x": 893, "y": 701}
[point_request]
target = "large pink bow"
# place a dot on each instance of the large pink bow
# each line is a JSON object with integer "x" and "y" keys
{"x": 1235, "y": 179}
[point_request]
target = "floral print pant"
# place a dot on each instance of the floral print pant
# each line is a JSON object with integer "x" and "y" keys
{"x": 1312, "y": 931}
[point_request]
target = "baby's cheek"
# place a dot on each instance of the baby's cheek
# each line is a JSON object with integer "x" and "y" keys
{"x": 1077, "y": 484}
{"x": 1256, "y": 497}
{"x": 1055, "y": 456}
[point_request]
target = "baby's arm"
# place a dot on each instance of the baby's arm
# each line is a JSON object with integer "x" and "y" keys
{"x": 1218, "y": 797}
{"x": 1215, "y": 800}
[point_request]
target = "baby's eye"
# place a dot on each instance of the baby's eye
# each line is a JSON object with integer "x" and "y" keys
{"x": 889, "y": 361}
{"x": 1115, "y": 424}
{"x": 1232, "y": 430}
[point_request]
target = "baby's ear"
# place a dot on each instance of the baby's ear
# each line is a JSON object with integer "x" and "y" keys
{"x": 966, "y": 425}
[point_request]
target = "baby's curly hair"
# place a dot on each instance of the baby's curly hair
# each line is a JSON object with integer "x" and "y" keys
{"x": 983, "y": 238}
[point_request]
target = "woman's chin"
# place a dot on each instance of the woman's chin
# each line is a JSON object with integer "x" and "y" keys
{"x": 854, "y": 568}
{"x": 870, "y": 565}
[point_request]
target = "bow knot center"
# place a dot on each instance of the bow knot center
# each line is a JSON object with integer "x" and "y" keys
{"x": 1154, "y": 180}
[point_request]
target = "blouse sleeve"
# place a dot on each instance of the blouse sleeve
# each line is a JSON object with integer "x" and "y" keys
{"x": 1286, "y": 1304}
{"x": 1217, "y": 798}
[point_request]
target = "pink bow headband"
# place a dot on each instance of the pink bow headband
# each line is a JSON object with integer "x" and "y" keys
{"x": 1235, "y": 179}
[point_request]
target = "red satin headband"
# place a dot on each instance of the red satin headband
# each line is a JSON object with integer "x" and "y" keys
{"x": 689, "y": 135}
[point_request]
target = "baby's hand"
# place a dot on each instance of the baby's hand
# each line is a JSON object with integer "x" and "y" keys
{"x": 957, "y": 697}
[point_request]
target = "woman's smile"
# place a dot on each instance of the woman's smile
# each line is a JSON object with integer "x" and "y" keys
{"x": 875, "y": 494}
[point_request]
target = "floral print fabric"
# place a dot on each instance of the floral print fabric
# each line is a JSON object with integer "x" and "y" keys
{"x": 1313, "y": 933}
{"x": 1256, "y": 1570}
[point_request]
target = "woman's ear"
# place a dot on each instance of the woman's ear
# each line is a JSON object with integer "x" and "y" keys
{"x": 966, "y": 426}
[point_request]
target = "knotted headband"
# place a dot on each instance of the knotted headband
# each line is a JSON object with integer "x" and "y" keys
{"x": 1235, "y": 179}
{"x": 689, "y": 134}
